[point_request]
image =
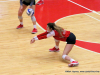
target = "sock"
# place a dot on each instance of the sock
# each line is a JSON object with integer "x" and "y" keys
{"x": 56, "y": 47}
{"x": 71, "y": 60}
{"x": 34, "y": 26}
{"x": 21, "y": 23}
{"x": 64, "y": 56}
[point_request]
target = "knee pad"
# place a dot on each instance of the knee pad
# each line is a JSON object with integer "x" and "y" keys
{"x": 63, "y": 56}
{"x": 20, "y": 17}
{"x": 33, "y": 18}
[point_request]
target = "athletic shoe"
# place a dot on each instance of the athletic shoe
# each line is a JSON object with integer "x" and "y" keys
{"x": 20, "y": 26}
{"x": 74, "y": 63}
{"x": 54, "y": 50}
{"x": 34, "y": 31}
{"x": 40, "y": 2}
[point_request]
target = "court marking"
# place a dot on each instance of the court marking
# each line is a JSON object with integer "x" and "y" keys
{"x": 86, "y": 9}
{"x": 40, "y": 26}
{"x": 78, "y": 14}
{"x": 87, "y": 50}
{"x": 83, "y": 7}
{"x": 92, "y": 17}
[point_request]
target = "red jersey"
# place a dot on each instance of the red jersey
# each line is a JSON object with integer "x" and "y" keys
{"x": 53, "y": 33}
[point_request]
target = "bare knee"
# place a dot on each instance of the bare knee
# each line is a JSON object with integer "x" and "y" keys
{"x": 20, "y": 12}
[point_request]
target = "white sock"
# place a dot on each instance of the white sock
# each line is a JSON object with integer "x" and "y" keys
{"x": 71, "y": 60}
{"x": 56, "y": 47}
{"x": 21, "y": 23}
{"x": 64, "y": 56}
{"x": 34, "y": 26}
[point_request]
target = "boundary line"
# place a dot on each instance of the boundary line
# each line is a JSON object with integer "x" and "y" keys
{"x": 83, "y": 7}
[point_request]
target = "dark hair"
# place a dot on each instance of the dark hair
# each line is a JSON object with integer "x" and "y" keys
{"x": 55, "y": 27}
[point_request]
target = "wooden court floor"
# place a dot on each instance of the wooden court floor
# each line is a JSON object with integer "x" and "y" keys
{"x": 19, "y": 57}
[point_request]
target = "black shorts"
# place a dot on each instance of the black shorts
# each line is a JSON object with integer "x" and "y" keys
{"x": 28, "y": 3}
{"x": 71, "y": 39}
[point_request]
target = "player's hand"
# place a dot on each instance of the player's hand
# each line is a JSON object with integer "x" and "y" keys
{"x": 32, "y": 41}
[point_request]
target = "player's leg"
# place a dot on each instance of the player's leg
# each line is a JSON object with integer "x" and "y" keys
{"x": 56, "y": 48}
{"x": 65, "y": 56}
{"x": 20, "y": 12}
{"x": 70, "y": 43}
{"x": 33, "y": 20}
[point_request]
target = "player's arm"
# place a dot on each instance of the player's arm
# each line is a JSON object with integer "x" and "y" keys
{"x": 45, "y": 35}
{"x": 38, "y": 37}
{"x": 42, "y": 34}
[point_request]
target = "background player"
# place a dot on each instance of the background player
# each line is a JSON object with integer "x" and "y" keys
{"x": 23, "y": 6}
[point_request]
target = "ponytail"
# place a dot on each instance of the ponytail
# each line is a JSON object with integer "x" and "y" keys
{"x": 55, "y": 27}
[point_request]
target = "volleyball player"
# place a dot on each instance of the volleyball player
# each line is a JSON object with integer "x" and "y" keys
{"x": 59, "y": 34}
{"x": 23, "y": 6}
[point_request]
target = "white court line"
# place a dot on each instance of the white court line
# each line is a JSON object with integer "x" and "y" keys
{"x": 89, "y": 41}
{"x": 40, "y": 26}
{"x": 92, "y": 17}
{"x": 75, "y": 15}
{"x": 87, "y": 9}
{"x": 95, "y": 12}
{"x": 84, "y": 7}
{"x": 87, "y": 49}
